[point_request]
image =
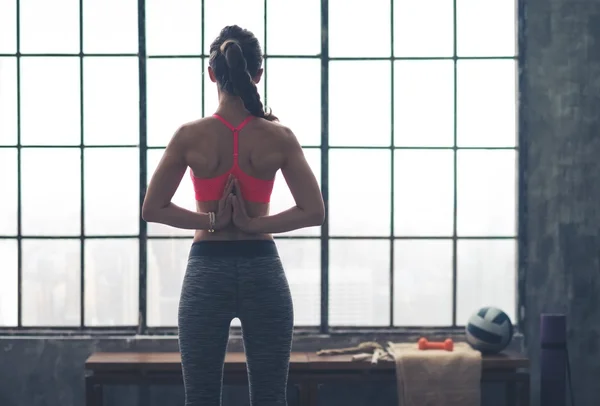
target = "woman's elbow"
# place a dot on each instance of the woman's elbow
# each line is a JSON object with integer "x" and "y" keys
{"x": 149, "y": 214}
{"x": 317, "y": 217}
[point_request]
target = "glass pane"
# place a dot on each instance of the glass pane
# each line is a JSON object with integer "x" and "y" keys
{"x": 211, "y": 97}
{"x": 50, "y": 26}
{"x": 422, "y": 283}
{"x": 174, "y": 96}
{"x": 424, "y": 103}
{"x": 8, "y": 26}
{"x": 8, "y": 101}
{"x": 302, "y": 263}
{"x": 486, "y": 28}
{"x": 122, "y": 19}
{"x": 184, "y": 197}
{"x": 173, "y": 27}
{"x": 423, "y": 28}
{"x": 51, "y": 282}
{"x": 359, "y": 28}
{"x": 294, "y": 94}
{"x": 51, "y": 179}
{"x": 354, "y": 88}
{"x": 111, "y": 107}
{"x": 368, "y": 178}
{"x": 167, "y": 261}
{"x": 8, "y": 283}
{"x": 105, "y": 214}
{"x": 50, "y": 110}
{"x": 359, "y": 283}
{"x": 424, "y": 193}
{"x": 487, "y": 188}
{"x": 282, "y": 198}
{"x": 9, "y": 188}
{"x": 294, "y": 27}
{"x": 220, "y": 13}
{"x": 111, "y": 282}
{"x": 487, "y": 103}
{"x": 486, "y": 276}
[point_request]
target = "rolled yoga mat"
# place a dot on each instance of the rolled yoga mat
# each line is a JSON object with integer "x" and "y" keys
{"x": 553, "y": 359}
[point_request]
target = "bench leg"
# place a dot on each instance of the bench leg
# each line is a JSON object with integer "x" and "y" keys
{"x": 524, "y": 393}
{"x": 93, "y": 392}
{"x": 308, "y": 394}
{"x": 511, "y": 393}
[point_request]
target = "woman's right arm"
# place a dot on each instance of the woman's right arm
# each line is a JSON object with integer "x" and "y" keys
{"x": 309, "y": 210}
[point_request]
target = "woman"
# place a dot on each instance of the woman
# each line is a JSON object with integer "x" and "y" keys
{"x": 234, "y": 269}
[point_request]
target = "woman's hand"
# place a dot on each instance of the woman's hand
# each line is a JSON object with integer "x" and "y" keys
{"x": 240, "y": 217}
{"x": 224, "y": 209}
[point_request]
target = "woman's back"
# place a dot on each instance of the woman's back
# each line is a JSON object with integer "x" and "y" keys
{"x": 211, "y": 156}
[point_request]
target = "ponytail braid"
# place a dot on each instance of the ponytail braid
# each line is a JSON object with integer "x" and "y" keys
{"x": 238, "y": 80}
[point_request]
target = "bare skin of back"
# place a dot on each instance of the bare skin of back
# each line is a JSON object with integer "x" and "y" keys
{"x": 206, "y": 147}
{"x": 262, "y": 148}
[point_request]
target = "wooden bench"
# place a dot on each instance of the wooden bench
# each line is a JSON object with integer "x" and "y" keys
{"x": 308, "y": 372}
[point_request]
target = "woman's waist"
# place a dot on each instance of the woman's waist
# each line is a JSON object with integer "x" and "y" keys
{"x": 245, "y": 248}
{"x": 231, "y": 233}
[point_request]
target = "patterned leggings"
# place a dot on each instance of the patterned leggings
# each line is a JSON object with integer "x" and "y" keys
{"x": 224, "y": 280}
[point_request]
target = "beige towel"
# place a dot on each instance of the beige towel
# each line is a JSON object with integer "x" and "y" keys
{"x": 437, "y": 377}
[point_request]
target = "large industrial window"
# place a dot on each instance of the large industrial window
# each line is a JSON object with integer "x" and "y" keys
{"x": 406, "y": 110}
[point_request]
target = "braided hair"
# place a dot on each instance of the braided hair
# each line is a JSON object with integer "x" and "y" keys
{"x": 235, "y": 58}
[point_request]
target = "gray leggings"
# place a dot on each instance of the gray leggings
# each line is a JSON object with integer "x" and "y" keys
{"x": 224, "y": 280}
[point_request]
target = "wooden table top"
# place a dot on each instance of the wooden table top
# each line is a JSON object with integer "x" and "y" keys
{"x": 171, "y": 361}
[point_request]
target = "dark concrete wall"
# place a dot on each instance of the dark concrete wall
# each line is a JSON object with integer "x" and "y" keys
{"x": 561, "y": 147}
{"x": 49, "y": 372}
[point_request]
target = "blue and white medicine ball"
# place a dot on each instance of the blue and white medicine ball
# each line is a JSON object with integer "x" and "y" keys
{"x": 489, "y": 330}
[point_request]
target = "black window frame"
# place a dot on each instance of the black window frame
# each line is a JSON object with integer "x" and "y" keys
{"x": 324, "y": 328}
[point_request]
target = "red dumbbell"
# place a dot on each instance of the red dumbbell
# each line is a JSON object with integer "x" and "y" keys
{"x": 447, "y": 344}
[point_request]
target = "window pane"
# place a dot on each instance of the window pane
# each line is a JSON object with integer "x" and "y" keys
{"x": 486, "y": 28}
{"x": 211, "y": 97}
{"x": 487, "y": 202}
{"x": 184, "y": 197}
{"x": 50, "y": 26}
{"x": 174, "y": 96}
{"x": 167, "y": 261}
{"x": 423, "y": 28}
{"x": 8, "y": 283}
{"x": 8, "y": 186}
{"x": 302, "y": 263}
{"x": 359, "y": 283}
{"x": 220, "y": 13}
{"x": 50, "y": 110}
{"x": 51, "y": 179}
{"x": 424, "y": 103}
{"x": 486, "y": 103}
{"x": 359, "y": 29}
{"x": 110, "y": 26}
{"x": 8, "y": 101}
{"x": 354, "y": 88}
{"x": 8, "y": 26}
{"x": 111, "y": 282}
{"x": 424, "y": 193}
{"x": 486, "y": 276}
{"x": 112, "y": 192}
{"x": 282, "y": 198}
{"x": 173, "y": 27}
{"x": 423, "y": 283}
{"x": 294, "y": 27}
{"x": 367, "y": 178}
{"x": 111, "y": 107}
{"x": 51, "y": 282}
{"x": 294, "y": 93}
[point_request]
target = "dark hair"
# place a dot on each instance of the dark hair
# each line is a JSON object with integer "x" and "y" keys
{"x": 236, "y": 57}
